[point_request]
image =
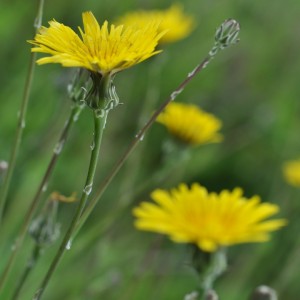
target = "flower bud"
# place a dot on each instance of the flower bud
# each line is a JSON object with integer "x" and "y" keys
{"x": 227, "y": 33}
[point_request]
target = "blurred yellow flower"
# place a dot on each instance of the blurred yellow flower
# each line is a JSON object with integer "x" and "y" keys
{"x": 291, "y": 172}
{"x": 99, "y": 49}
{"x": 190, "y": 124}
{"x": 173, "y": 19}
{"x": 209, "y": 220}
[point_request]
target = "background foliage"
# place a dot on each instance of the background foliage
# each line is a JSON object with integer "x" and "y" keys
{"x": 253, "y": 87}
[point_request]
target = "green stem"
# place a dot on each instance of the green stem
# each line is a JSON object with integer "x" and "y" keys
{"x": 99, "y": 124}
{"x": 21, "y": 119}
{"x": 29, "y": 267}
{"x": 219, "y": 265}
{"x": 32, "y": 208}
{"x": 124, "y": 201}
{"x": 135, "y": 142}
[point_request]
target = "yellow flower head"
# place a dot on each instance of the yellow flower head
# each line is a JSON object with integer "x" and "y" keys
{"x": 173, "y": 19}
{"x": 190, "y": 124}
{"x": 291, "y": 172}
{"x": 99, "y": 49}
{"x": 208, "y": 220}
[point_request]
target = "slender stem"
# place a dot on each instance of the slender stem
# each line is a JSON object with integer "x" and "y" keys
{"x": 99, "y": 124}
{"x": 21, "y": 119}
{"x": 32, "y": 208}
{"x": 151, "y": 99}
{"x": 218, "y": 265}
{"x": 29, "y": 267}
{"x": 135, "y": 142}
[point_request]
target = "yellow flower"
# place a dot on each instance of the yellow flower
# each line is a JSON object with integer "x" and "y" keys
{"x": 173, "y": 19}
{"x": 291, "y": 172}
{"x": 190, "y": 124}
{"x": 99, "y": 49}
{"x": 208, "y": 220}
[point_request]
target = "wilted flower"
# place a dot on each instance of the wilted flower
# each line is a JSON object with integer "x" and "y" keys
{"x": 209, "y": 220}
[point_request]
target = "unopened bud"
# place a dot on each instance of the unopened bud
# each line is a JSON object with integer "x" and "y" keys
{"x": 264, "y": 292}
{"x": 228, "y": 33}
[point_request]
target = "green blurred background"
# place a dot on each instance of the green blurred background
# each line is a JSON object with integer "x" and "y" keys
{"x": 252, "y": 87}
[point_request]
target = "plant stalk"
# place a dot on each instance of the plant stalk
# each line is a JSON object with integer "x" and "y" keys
{"x": 99, "y": 124}
{"x": 21, "y": 119}
{"x": 32, "y": 208}
{"x": 29, "y": 267}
